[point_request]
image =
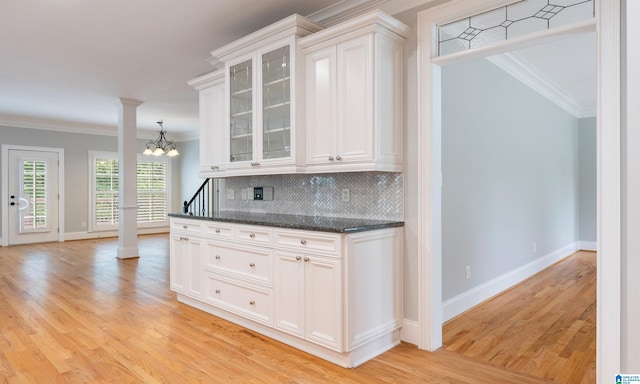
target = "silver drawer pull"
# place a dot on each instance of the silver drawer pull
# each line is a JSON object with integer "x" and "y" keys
{"x": 252, "y": 302}
{"x": 217, "y": 291}
{"x": 306, "y": 259}
{"x": 217, "y": 257}
{"x": 252, "y": 235}
{"x": 330, "y": 158}
{"x": 298, "y": 258}
{"x": 214, "y": 167}
{"x": 339, "y": 158}
{"x": 217, "y": 231}
{"x": 252, "y": 265}
{"x": 185, "y": 227}
{"x": 303, "y": 242}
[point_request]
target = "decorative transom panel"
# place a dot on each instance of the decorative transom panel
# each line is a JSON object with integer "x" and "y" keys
{"x": 509, "y": 22}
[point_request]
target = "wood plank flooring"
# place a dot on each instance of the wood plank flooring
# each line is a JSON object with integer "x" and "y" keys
{"x": 72, "y": 313}
{"x": 545, "y": 326}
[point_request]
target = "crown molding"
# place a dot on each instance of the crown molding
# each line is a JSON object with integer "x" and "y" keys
{"x": 348, "y": 9}
{"x": 14, "y": 121}
{"x": 523, "y": 71}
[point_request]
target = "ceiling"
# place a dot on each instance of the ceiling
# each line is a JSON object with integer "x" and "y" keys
{"x": 562, "y": 70}
{"x": 64, "y": 63}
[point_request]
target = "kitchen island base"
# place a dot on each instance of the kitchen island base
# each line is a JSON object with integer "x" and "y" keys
{"x": 336, "y": 295}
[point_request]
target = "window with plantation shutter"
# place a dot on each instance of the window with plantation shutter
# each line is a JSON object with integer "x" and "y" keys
{"x": 152, "y": 191}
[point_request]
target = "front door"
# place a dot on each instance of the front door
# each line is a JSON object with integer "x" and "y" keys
{"x": 33, "y": 196}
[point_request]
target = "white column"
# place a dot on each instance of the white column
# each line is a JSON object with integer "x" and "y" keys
{"x": 127, "y": 164}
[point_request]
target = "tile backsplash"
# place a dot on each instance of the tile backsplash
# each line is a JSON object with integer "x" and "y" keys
{"x": 372, "y": 195}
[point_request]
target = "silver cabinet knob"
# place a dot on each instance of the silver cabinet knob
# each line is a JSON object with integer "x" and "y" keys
{"x": 217, "y": 231}
{"x": 217, "y": 291}
{"x": 252, "y": 302}
{"x": 339, "y": 158}
{"x": 185, "y": 227}
{"x": 298, "y": 258}
{"x": 303, "y": 242}
{"x": 217, "y": 257}
{"x": 252, "y": 265}
{"x": 252, "y": 235}
{"x": 330, "y": 158}
{"x": 306, "y": 259}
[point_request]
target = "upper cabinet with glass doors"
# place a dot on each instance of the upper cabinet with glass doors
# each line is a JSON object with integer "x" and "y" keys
{"x": 262, "y": 104}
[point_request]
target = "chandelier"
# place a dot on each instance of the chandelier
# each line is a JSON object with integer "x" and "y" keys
{"x": 161, "y": 146}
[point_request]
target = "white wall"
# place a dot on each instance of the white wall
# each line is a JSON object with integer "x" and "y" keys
{"x": 186, "y": 179}
{"x": 510, "y": 175}
{"x": 587, "y": 204}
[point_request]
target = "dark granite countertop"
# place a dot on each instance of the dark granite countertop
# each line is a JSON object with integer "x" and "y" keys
{"x": 309, "y": 223}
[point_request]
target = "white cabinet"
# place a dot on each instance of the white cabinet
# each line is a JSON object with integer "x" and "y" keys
{"x": 308, "y": 298}
{"x": 213, "y": 150}
{"x": 354, "y": 95}
{"x": 337, "y": 296}
{"x": 262, "y": 117}
{"x": 185, "y": 264}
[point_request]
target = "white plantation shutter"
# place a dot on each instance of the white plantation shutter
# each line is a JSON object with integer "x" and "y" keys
{"x": 105, "y": 192}
{"x": 152, "y": 192}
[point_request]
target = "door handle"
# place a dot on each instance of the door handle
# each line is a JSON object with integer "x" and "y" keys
{"x": 21, "y": 199}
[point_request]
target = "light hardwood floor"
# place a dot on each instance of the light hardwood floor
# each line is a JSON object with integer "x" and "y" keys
{"x": 72, "y": 313}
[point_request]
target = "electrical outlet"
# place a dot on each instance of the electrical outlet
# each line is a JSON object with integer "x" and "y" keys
{"x": 345, "y": 195}
{"x": 231, "y": 194}
{"x": 467, "y": 271}
{"x": 244, "y": 194}
{"x": 83, "y": 224}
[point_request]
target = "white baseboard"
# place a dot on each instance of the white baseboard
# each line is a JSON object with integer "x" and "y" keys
{"x": 588, "y": 245}
{"x": 466, "y": 300}
{"x": 102, "y": 234}
{"x": 410, "y": 332}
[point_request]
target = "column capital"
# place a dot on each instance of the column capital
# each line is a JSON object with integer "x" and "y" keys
{"x": 128, "y": 102}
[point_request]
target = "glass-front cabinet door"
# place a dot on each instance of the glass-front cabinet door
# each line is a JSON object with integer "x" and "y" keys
{"x": 276, "y": 104}
{"x": 241, "y": 112}
{"x": 260, "y": 110}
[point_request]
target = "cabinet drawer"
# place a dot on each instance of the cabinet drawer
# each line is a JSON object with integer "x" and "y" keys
{"x": 253, "y": 303}
{"x": 189, "y": 226}
{"x": 254, "y": 235}
{"x": 218, "y": 231}
{"x": 249, "y": 264}
{"x": 302, "y": 241}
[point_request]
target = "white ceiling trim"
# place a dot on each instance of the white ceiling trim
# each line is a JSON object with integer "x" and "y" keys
{"x": 348, "y": 9}
{"x": 81, "y": 128}
{"x": 522, "y": 70}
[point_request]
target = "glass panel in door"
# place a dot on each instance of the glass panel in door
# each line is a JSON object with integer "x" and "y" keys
{"x": 241, "y": 110}
{"x": 276, "y": 104}
{"x": 34, "y": 204}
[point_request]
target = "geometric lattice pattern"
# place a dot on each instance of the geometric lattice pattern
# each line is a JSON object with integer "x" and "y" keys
{"x": 511, "y": 21}
{"x": 373, "y": 195}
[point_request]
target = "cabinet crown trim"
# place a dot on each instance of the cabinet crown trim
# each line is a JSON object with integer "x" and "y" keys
{"x": 294, "y": 25}
{"x": 207, "y": 80}
{"x": 369, "y": 22}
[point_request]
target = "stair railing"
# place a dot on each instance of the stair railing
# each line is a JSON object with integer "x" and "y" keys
{"x": 203, "y": 201}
